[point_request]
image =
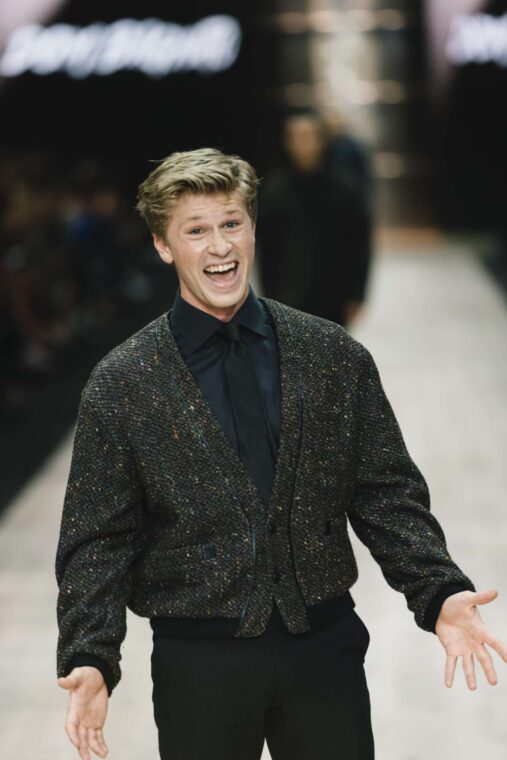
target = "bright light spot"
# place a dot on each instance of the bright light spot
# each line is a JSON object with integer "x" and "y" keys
{"x": 362, "y": 20}
{"x": 478, "y": 39}
{"x": 153, "y": 47}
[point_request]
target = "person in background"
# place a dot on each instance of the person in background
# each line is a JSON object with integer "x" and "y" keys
{"x": 314, "y": 227}
{"x": 347, "y": 154}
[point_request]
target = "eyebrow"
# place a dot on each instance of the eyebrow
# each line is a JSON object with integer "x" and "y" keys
{"x": 197, "y": 217}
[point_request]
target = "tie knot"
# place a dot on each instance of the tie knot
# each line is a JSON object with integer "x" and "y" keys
{"x": 229, "y": 330}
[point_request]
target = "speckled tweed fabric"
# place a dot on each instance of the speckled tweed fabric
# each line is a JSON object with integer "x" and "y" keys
{"x": 154, "y": 483}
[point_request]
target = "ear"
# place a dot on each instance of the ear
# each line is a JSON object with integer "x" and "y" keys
{"x": 163, "y": 249}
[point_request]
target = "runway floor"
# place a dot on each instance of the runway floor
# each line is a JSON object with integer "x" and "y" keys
{"x": 437, "y": 327}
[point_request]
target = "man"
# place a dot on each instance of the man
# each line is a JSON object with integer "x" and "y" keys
{"x": 314, "y": 227}
{"x": 218, "y": 454}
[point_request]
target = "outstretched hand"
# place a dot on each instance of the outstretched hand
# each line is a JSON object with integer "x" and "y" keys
{"x": 87, "y": 710}
{"x": 462, "y": 633}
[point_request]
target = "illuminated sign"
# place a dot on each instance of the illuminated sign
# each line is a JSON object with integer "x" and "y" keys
{"x": 153, "y": 47}
{"x": 478, "y": 39}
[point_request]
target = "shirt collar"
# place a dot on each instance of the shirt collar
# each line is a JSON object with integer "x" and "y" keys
{"x": 196, "y": 325}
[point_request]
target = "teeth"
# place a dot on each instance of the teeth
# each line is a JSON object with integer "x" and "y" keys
{"x": 220, "y": 267}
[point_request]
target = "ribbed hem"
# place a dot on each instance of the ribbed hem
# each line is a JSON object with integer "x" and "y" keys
{"x": 434, "y": 607}
{"x": 195, "y": 628}
{"x": 81, "y": 660}
{"x": 320, "y": 614}
{"x": 330, "y": 610}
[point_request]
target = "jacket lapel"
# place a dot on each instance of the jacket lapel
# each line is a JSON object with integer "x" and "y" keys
{"x": 210, "y": 432}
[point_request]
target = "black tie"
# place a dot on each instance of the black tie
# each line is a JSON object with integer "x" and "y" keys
{"x": 249, "y": 418}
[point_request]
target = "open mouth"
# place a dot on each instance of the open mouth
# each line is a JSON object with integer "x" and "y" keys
{"x": 222, "y": 274}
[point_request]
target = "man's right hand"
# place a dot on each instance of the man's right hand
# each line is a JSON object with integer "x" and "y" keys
{"x": 87, "y": 710}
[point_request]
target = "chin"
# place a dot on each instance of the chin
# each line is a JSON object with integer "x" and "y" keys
{"x": 227, "y": 299}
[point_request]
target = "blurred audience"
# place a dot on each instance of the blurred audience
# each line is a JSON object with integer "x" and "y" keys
{"x": 314, "y": 225}
{"x": 73, "y": 258}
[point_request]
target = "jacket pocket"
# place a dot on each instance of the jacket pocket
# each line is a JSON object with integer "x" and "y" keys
{"x": 192, "y": 553}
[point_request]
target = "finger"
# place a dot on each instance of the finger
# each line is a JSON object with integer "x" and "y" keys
{"x": 83, "y": 743}
{"x": 100, "y": 739}
{"x": 483, "y": 597}
{"x": 487, "y": 664}
{"x": 468, "y": 667}
{"x": 72, "y": 733}
{"x": 94, "y": 743}
{"x": 450, "y": 667}
{"x": 497, "y": 645}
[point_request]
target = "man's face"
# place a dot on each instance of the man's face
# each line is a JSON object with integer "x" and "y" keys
{"x": 304, "y": 141}
{"x": 210, "y": 231}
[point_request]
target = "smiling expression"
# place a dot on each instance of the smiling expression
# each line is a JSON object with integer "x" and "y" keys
{"x": 207, "y": 234}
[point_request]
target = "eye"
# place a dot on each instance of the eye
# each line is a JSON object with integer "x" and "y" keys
{"x": 230, "y": 225}
{"x": 195, "y": 231}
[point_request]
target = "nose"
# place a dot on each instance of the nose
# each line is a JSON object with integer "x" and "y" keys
{"x": 219, "y": 244}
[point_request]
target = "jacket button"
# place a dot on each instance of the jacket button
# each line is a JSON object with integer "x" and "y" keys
{"x": 272, "y": 527}
{"x": 276, "y": 576}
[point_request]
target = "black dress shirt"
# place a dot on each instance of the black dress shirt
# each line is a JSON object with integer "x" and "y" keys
{"x": 203, "y": 351}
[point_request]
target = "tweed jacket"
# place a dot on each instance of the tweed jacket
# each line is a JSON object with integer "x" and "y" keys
{"x": 160, "y": 515}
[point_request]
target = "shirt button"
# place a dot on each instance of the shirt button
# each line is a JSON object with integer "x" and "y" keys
{"x": 276, "y": 576}
{"x": 272, "y": 527}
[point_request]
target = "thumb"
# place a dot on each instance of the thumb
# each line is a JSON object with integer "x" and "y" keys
{"x": 68, "y": 682}
{"x": 483, "y": 597}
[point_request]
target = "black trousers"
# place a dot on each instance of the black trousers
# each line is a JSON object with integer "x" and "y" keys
{"x": 306, "y": 694}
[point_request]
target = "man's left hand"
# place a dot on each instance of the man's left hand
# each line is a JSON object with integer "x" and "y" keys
{"x": 463, "y": 634}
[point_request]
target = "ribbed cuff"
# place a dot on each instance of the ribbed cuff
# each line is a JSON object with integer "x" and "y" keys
{"x": 80, "y": 660}
{"x": 434, "y": 607}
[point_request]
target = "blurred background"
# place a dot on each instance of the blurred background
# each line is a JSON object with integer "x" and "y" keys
{"x": 379, "y": 129}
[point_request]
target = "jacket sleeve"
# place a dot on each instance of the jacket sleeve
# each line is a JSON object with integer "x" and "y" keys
{"x": 99, "y": 540}
{"x": 390, "y": 509}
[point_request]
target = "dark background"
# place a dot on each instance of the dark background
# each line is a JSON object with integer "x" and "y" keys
{"x": 63, "y": 136}
{"x": 472, "y": 125}
{"x": 126, "y": 118}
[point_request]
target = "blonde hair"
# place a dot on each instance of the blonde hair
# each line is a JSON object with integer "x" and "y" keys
{"x": 205, "y": 170}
